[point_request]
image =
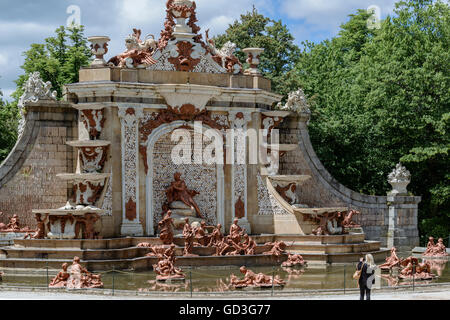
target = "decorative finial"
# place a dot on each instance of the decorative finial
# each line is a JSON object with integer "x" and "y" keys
{"x": 399, "y": 179}
{"x": 99, "y": 47}
{"x": 253, "y": 60}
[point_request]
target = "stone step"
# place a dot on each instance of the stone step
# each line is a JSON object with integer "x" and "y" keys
{"x": 335, "y": 248}
{"x": 344, "y": 258}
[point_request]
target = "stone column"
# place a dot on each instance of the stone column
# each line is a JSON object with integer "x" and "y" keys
{"x": 403, "y": 230}
{"x": 129, "y": 118}
{"x": 239, "y": 123}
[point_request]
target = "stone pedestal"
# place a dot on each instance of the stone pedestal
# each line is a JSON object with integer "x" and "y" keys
{"x": 402, "y": 222}
{"x": 132, "y": 229}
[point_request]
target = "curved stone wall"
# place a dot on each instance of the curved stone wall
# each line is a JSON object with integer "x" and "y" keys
{"x": 28, "y": 176}
{"x": 391, "y": 220}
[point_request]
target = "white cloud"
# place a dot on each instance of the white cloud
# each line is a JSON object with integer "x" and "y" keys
{"x": 3, "y": 59}
{"x": 19, "y": 31}
{"x": 328, "y": 15}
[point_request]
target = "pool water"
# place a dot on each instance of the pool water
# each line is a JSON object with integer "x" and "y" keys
{"x": 217, "y": 279}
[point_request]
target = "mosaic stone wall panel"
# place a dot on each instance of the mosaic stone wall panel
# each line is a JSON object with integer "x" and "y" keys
{"x": 201, "y": 178}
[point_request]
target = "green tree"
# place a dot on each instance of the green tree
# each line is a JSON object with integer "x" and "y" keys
{"x": 58, "y": 59}
{"x": 255, "y": 30}
{"x": 382, "y": 96}
{"x": 8, "y": 127}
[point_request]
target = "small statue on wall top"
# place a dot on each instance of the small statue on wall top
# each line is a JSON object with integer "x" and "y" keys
{"x": 178, "y": 191}
{"x": 138, "y": 54}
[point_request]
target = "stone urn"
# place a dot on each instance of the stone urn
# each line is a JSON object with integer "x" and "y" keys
{"x": 253, "y": 60}
{"x": 399, "y": 179}
{"x": 181, "y": 15}
{"x": 99, "y": 47}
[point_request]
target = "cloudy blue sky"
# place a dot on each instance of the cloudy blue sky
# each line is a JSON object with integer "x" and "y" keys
{"x": 23, "y": 22}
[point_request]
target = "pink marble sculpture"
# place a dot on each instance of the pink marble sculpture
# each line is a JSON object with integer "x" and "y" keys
{"x": 201, "y": 238}
{"x": 236, "y": 232}
{"x": 436, "y": 250}
{"x": 178, "y": 191}
{"x": 60, "y": 281}
{"x": 165, "y": 268}
{"x": 293, "y": 261}
{"x": 422, "y": 270}
{"x": 255, "y": 280}
{"x": 13, "y": 225}
{"x": 40, "y": 233}
{"x": 216, "y": 236}
{"x": 166, "y": 226}
{"x": 278, "y": 249}
{"x": 80, "y": 278}
{"x": 392, "y": 261}
{"x": 188, "y": 234}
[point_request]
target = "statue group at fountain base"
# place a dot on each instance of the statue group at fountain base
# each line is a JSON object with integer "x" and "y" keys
{"x": 410, "y": 268}
{"x": 237, "y": 243}
{"x": 77, "y": 277}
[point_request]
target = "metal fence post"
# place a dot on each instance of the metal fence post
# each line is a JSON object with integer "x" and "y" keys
{"x": 113, "y": 284}
{"x": 345, "y": 278}
{"x": 273, "y": 280}
{"x": 48, "y": 283}
{"x": 190, "y": 280}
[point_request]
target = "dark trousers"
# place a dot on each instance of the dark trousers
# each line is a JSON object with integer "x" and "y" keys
{"x": 364, "y": 291}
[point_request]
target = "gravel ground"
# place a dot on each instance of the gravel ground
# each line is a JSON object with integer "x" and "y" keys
{"x": 442, "y": 293}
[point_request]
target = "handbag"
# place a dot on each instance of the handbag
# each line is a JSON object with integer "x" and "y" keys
{"x": 358, "y": 273}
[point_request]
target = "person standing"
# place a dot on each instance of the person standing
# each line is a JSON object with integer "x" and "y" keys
{"x": 367, "y": 278}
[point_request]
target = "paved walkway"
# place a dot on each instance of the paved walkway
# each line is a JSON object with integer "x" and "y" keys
{"x": 428, "y": 294}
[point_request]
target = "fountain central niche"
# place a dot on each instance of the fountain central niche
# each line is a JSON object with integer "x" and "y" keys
{"x": 203, "y": 178}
